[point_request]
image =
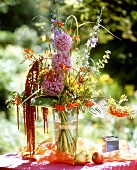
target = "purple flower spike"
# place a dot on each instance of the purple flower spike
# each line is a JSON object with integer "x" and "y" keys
{"x": 53, "y": 20}
{"x": 94, "y": 42}
{"x": 56, "y": 33}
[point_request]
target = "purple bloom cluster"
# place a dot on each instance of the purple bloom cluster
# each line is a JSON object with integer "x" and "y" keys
{"x": 56, "y": 33}
{"x": 59, "y": 59}
{"x": 53, "y": 83}
{"x": 63, "y": 42}
{"x": 92, "y": 42}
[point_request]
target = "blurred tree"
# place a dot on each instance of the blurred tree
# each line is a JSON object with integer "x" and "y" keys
{"x": 14, "y": 14}
{"x": 120, "y": 18}
{"x": 17, "y": 14}
{"x": 4, "y": 5}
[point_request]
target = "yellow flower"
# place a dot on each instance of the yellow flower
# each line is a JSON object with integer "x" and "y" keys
{"x": 71, "y": 81}
{"x": 76, "y": 87}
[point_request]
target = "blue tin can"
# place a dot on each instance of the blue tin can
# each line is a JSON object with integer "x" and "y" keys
{"x": 110, "y": 143}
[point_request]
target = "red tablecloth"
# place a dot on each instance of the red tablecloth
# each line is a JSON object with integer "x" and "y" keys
{"x": 12, "y": 161}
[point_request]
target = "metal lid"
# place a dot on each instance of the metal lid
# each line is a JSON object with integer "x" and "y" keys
{"x": 110, "y": 138}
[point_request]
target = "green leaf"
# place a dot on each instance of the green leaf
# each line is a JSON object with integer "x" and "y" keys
{"x": 96, "y": 111}
{"x": 42, "y": 101}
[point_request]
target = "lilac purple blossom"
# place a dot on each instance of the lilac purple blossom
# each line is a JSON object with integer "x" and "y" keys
{"x": 61, "y": 58}
{"x": 63, "y": 42}
{"x": 92, "y": 42}
{"x": 56, "y": 33}
{"x": 52, "y": 25}
{"x": 54, "y": 20}
{"x": 53, "y": 83}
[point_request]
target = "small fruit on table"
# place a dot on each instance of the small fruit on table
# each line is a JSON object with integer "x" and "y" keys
{"x": 88, "y": 158}
{"x": 84, "y": 152}
{"x": 97, "y": 158}
{"x": 80, "y": 159}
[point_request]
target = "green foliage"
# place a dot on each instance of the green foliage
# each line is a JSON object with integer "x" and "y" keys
{"x": 10, "y": 136}
{"x": 111, "y": 86}
{"x": 25, "y": 36}
{"x": 122, "y": 14}
{"x": 43, "y": 101}
{"x": 21, "y": 12}
{"x": 5, "y": 4}
{"x": 7, "y": 61}
{"x": 120, "y": 18}
{"x": 6, "y": 37}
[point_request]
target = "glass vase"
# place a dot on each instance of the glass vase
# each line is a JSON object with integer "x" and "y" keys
{"x": 66, "y": 130}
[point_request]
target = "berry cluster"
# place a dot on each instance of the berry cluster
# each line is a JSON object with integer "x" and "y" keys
{"x": 117, "y": 112}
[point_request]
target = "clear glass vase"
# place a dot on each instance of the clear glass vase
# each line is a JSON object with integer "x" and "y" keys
{"x": 66, "y": 130}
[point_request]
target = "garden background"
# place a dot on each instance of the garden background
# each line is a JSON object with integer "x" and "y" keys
{"x": 23, "y": 25}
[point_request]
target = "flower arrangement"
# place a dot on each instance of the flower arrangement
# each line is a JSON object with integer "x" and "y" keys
{"x": 64, "y": 79}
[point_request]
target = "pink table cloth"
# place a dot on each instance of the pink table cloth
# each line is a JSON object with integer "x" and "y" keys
{"x": 12, "y": 161}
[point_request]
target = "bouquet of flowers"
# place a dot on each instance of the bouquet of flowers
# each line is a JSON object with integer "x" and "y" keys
{"x": 65, "y": 79}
